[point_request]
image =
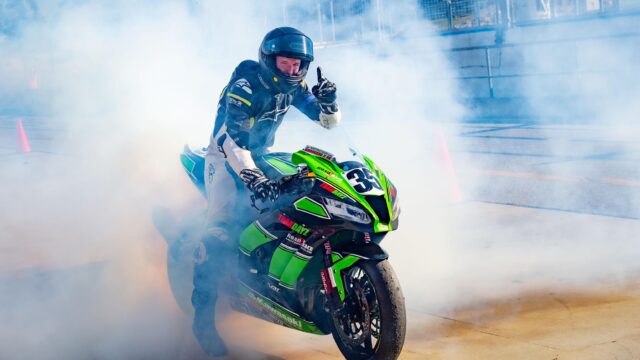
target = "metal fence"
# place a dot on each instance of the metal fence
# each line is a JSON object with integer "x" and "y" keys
{"x": 343, "y": 20}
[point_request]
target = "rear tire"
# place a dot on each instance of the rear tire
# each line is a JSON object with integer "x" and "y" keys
{"x": 373, "y": 322}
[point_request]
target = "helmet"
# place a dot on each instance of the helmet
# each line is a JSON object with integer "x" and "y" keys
{"x": 288, "y": 42}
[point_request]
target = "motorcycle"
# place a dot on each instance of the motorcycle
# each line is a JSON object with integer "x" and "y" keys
{"x": 311, "y": 260}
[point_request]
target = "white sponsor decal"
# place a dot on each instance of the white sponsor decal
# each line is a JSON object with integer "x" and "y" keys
{"x": 295, "y": 239}
{"x": 234, "y": 101}
{"x": 244, "y": 85}
{"x": 306, "y": 247}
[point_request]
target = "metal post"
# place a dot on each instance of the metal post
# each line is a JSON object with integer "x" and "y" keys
{"x": 450, "y": 7}
{"x": 487, "y": 57}
{"x": 476, "y": 14}
{"x": 320, "y": 21}
{"x": 379, "y": 13}
{"x": 333, "y": 21}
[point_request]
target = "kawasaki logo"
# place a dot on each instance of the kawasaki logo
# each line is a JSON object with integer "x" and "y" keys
{"x": 300, "y": 229}
{"x": 286, "y": 318}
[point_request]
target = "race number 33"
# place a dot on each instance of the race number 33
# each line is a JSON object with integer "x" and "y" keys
{"x": 363, "y": 181}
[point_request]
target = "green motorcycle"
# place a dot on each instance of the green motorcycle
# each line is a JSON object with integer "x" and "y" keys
{"x": 312, "y": 260}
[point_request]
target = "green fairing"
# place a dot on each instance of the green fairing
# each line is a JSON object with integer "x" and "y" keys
{"x": 309, "y": 206}
{"x": 294, "y": 268}
{"x": 385, "y": 185}
{"x": 188, "y": 163}
{"x": 330, "y": 172}
{"x": 279, "y": 261}
{"x": 283, "y": 167}
{"x": 337, "y": 268}
{"x": 287, "y": 317}
{"x": 252, "y": 237}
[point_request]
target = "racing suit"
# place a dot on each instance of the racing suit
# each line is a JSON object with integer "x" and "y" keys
{"x": 250, "y": 110}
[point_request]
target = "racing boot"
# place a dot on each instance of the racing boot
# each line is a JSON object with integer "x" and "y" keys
{"x": 205, "y": 294}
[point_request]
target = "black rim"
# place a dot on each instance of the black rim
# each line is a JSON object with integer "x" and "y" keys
{"x": 358, "y": 322}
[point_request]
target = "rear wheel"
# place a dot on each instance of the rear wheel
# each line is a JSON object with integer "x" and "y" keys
{"x": 372, "y": 324}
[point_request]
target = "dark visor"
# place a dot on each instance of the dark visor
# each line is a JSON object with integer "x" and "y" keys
{"x": 294, "y": 45}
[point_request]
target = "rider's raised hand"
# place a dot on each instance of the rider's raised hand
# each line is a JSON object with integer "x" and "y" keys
{"x": 325, "y": 90}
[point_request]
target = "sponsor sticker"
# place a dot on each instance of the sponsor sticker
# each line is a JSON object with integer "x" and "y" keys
{"x": 295, "y": 239}
{"x": 306, "y": 247}
{"x": 300, "y": 229}
{"x": 318, "y": 152}
{"x": 326, "y": 282}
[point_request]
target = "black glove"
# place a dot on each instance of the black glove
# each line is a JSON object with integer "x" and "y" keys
{"x": 325, "y": 92}
{"x": 260, "y": 185}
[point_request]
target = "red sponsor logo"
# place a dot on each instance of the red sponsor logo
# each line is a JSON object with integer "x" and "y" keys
{"x": 300, "y": 229}
{"x": 326, "y": 282}
{"x": 327, "y": 187}
{"x": 327, "y": 247}
{"x": 286, "y": 221}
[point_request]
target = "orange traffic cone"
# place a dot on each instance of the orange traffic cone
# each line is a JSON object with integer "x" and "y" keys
{"x": 23, "y": 141}
{"x": 456, "y": 194}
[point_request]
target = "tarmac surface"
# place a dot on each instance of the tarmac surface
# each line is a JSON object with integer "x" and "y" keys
{"x": 601, "y": 325}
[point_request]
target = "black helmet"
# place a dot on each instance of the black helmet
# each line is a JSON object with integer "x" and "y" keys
{"x": 288, "y": 42}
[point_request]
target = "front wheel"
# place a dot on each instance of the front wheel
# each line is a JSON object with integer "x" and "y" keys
{"x": 372, "y": 323}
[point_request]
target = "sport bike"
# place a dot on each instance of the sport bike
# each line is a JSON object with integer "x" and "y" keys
{"x": 310, "y": 259}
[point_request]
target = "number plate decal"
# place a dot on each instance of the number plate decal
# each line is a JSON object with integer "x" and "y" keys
{"x": 363, "y": 181}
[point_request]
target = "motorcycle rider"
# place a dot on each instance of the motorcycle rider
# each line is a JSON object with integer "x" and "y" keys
{"x": 250, "y": 110}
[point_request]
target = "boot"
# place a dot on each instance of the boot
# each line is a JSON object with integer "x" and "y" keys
{"x": 204, "y": 329}
{"x": 203, "y": 299}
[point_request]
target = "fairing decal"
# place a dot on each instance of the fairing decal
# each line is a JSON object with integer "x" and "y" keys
{"x": 253, "y": 237}
{"x": 275, "y": 313}
{"x": 311, "y": 207}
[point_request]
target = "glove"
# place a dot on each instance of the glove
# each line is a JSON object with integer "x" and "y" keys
{"x": 325, "y": 92}
{"x": 261, "y": 187}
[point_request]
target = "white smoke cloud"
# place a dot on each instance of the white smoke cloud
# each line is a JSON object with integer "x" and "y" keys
{"x": 129, "y": 84}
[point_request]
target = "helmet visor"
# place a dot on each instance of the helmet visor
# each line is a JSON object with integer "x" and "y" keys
{"x": 293, "y": 45}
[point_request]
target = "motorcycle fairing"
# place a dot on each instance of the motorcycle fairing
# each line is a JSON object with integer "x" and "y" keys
{"x": 329, "y": 171}
{"x": 266, "y": 309}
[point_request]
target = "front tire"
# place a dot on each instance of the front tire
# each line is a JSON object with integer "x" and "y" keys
{"x": 372, "y": 325}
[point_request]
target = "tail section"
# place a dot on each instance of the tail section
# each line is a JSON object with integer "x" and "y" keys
{"x": 193, "y": 163}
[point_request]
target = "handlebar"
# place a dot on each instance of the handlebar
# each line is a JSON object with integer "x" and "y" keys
{"x": 296, "y": 184}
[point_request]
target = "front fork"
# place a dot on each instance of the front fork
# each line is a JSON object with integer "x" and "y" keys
{"x": 331, "y": 275}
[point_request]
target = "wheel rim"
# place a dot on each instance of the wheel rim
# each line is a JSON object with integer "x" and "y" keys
{"x": 358, "y": 322}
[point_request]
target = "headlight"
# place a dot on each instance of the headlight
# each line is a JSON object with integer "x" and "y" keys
{"x": 346, "y": 211}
